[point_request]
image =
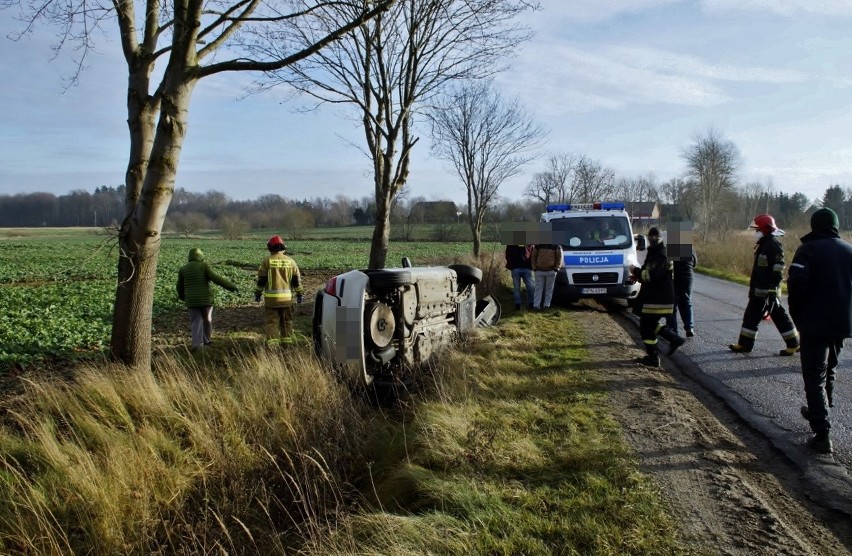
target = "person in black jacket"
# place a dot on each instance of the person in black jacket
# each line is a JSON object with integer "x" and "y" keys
{"x": 656, "y": 298}
{"x": 519, "y": 264}
{"x": 820, "y": 296}
{"x": 683, "y": 276}
{"x": 765, "y": 289}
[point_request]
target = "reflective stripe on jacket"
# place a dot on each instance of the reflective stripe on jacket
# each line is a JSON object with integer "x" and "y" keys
{"x": 278, "y": 278}
{"x": 657, "y": 293}
{"x": 768, "y": 268}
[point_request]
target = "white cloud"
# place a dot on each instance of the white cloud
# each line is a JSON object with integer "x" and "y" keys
{"x": 617, "y": 76}
{"x": 786, "y": 8}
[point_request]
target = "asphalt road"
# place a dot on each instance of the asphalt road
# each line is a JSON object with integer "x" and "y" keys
{"x": 766, "y": 389}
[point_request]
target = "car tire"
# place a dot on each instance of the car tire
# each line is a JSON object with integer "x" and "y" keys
{"x": 467, "y": 274}
{"x": 389, "y": 279}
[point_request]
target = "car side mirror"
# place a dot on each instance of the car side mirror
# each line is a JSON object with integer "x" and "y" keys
{"x": 641, "y": 242}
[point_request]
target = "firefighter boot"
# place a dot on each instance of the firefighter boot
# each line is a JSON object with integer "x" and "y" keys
{"x": 789, "y": 351}
{"x": 672, "y": 338}
{"x": 652, "y": 359}
{"x": 739, "y": 348}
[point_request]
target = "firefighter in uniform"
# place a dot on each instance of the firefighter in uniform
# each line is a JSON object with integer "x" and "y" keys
{"x": 765, "y": 289}
{"x": 277, "y": 280}
{"x": 656, "y": 298}
{"x": 820, "y": 288}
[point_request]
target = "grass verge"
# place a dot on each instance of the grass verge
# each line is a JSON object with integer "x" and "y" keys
{"x": 514, "y": 452}
{"x": 509, "y": 449}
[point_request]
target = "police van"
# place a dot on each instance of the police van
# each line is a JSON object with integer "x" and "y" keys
{"x": 599, "y": 248}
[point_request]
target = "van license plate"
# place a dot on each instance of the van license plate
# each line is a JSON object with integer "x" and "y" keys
{"x": 590, "y": 291}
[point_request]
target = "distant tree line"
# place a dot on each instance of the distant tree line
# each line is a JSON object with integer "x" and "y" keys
{"x": 193, "y": 212}
{"x": 708, "y": 193}
{"x": 77, "y": 208}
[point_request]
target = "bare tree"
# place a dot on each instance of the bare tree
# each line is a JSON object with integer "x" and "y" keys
{"x": 712, "y": 163}
{"x": 675, "y": 191}
{"x": 487, "y": 140}
{"x": 636, "y": 190}
{"x": 553, "y": 185}
{"x": 592, "y": 181}
{"x": 176, "y": 40}
{"x": 392, "y": 66}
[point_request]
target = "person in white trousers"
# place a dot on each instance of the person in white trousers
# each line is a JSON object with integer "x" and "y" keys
{"x": 546, "y": 260}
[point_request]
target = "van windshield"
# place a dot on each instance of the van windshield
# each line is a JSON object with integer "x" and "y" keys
{"x": 592, "y": 232}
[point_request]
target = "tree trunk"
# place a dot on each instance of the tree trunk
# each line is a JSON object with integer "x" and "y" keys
{"x": 476, "y": 229}
{"x": 381, "y": 233}
{"x": 140, "y": 233}
{"x": 134, "y": 300}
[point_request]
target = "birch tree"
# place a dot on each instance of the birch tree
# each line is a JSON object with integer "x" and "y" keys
{"x": 182, "y": 42}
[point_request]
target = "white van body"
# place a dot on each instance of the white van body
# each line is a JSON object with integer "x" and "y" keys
{"x": 599, "y": 249}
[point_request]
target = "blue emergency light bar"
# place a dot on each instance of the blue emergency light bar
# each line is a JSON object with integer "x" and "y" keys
{"x": 564, "y": 207}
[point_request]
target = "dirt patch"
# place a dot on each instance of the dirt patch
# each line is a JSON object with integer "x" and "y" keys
{"x": 732, "y": 492}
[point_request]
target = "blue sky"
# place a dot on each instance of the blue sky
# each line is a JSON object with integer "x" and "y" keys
{"x": 629, "y": 83}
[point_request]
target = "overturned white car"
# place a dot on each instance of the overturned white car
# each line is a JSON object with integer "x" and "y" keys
{"x": 380, "y": 325}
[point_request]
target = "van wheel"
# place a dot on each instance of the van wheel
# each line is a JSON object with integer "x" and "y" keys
{"x": 467, "y": 274}
{"x": 389, "y": 279}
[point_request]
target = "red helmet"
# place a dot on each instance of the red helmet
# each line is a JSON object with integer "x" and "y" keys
{"x": 275, "y": 241}
{"x": 765, "y": 223}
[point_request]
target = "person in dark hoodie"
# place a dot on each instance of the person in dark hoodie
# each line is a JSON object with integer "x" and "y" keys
{"x": 656, "y": 298}
{"x": 764, "y": 289}
{"x": 193, "y": 288}
{"x": 519, "y": 264}
{"x": 819, "y": 285}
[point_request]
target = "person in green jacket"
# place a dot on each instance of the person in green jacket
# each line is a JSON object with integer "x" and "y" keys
{"x": 193, "y": 288}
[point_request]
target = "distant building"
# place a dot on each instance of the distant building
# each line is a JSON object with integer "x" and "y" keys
{"x": 643, "y": 215}
{"x": 434, "y": 212}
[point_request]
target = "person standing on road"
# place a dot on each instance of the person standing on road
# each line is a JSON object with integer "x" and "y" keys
{"x": 546, "y": 260}
{"x": 764, "y": 289}
{"x": 278, "y": 279}
{"x": 819, "y": 287}
{"x": 683, "y": 276}
{"x": 193, "y": 288}
{"x": 519, "y": 264}
{"x": 656, "y": 298}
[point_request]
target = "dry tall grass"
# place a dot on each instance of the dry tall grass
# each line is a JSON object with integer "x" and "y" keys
{"x": 238, "y": 457}
{"x": 735, "y": 256}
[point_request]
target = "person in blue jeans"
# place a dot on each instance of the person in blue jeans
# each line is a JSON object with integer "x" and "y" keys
{"x": 682, "y": 278}
{"x": 518, "y": 262}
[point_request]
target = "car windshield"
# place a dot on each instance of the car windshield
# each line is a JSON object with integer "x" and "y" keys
{"x": 593, "y": 232}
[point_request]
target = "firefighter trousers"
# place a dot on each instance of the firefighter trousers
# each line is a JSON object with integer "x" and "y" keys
{"x": 754, "y": 314}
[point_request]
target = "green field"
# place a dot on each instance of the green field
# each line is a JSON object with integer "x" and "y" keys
{"x": 57, "y": 286}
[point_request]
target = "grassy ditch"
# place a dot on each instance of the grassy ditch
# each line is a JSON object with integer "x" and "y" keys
{"x": 514, "y": 452}
{"x": 508, "y": 449}
{"x": 239, "y": 452}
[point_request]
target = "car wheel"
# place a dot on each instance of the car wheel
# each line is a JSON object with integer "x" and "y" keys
{"x": 389, "y": 279}
{"x": 467, "y": 274}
